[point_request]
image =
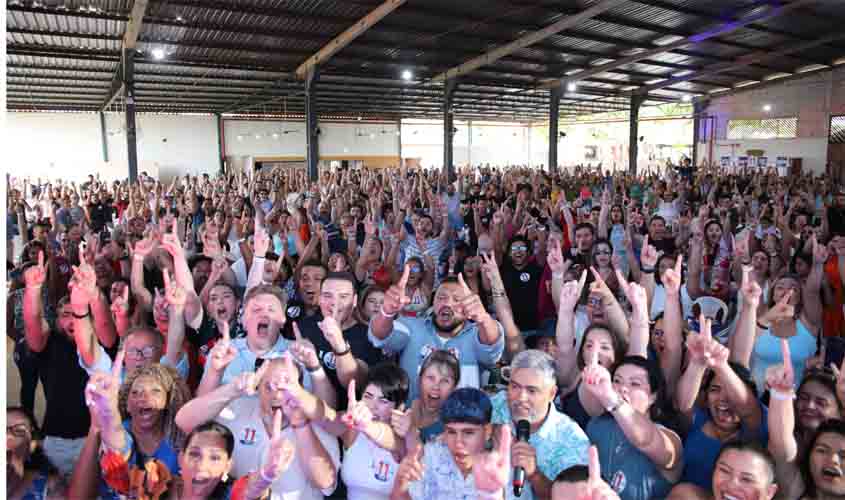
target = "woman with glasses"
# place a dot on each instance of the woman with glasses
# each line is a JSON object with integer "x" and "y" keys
{"x": 29, "y": 474}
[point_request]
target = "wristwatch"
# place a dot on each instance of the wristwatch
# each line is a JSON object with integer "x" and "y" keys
{"x": 616, "y": 405}
{"x": 345, "y": 351}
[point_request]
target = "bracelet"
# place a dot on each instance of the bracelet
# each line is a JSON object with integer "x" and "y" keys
{"x": 762, "y": 326}
{"x": 647, "y": 270}
{"x": 390, "y": 316}
{"x": 557, "y": 276}
{"x": 343, "y": 352}
{"x": 314, "y": 369}
{"x": 82, "y": 316}
{"x": 782, "y": 396}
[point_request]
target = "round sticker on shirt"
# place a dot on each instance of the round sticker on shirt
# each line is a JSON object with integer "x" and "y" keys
{"x": 524, "y": 277}
{"x": 294, "y": 312}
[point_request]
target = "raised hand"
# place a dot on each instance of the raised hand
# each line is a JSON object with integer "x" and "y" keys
{"x": 649, "y": 255}
{"x": 223, "y": 351}
{"x": 636, "y": 296}
{"x": 672, "y": 277}
{"x": 570, "y": 292}
{"x": 175, "y": 295}
{"x": 782, "y": 310}
{"x": 102, "y": 391}
{"x": 396, "y": 298}
{"x": 717, "y": 354}
{"x": 492, "y": 469}
{"x": 358, "y": 415}
{"x": 471, "y": 304}
{"x": 280, "y": 452}
{"x": 171, "y": 243}
{"x": 34, "y": 276}
{"x": 246, "y": 384}
{"x": 144, "y": 247}
{"x": 333, "y": 333}
{"x": 410, "y": 470}
{"x": 597, "y": 380}
{"x": 781, "y": 378}
{"x": 555, "y": 257}
{"x": 597, "y": 489}
{"x": 303, "y": 350}
{"x": 261, "y": 241}
{"x": 401, "y": 420}
{"x": 750, "y": 289}
{"x": 820, "y": 252}
{"x": 83, "y": 287}
{"x": 120, "y": 306}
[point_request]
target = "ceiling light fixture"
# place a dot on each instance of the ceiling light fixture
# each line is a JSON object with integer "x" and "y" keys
{"x": 407, "y": 75}
{"x": 571, "y": 86}
{"x": 158, "y": 53}
{"x": 767, "y": 107}
{"x": 686, "y": 98}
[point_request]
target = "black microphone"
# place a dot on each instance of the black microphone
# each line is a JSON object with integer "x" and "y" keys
{"x": 523, "y": 430}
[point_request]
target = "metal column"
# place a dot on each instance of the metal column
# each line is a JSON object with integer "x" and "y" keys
{"x": 554, "y": 117}
{"x": 312, "y": 130}
{"x": 104, "y": 137}
{"x": 220, "y": 139}
{"x": 469, "y": 143}
{"x": 128, "y": 61}
{"x": 697, "y": 112}
{"x": 448, "y": 127}
{"x": 633, "y": 137}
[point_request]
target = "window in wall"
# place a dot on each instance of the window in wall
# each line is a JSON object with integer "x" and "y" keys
{"x": 769, "y": 128}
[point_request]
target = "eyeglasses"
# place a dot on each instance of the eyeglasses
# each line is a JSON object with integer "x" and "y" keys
{"x": 416, "y": 269}
{"x": 519, "y": 248}
{"x": 657, "y": 333}
{"x": 19, "y": 430}
{"x": 144, "y": 353}
{"x": 594, "y": 301}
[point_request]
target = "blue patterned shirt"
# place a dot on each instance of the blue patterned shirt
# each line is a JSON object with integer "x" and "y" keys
{"x": 560, "y": 443}
{"x": 442, "y": 480}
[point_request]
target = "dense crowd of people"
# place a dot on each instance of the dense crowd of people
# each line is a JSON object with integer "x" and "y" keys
{"x": 499, "y": 333}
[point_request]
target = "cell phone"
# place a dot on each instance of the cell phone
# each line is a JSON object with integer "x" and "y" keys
{"x": 834, "y": 351}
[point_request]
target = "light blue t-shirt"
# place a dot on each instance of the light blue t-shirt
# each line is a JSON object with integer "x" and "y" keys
{"x": 415, "y": 338}
{"x": 559, "y": 443}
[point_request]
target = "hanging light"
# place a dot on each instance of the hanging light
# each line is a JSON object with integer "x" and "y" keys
{"x": 686, "y": 98}
{"x": 767, "y": 107}
{"x": 571, "y": 86}
{"x": 407, "y": 75}
{"x": 158, "y": 53}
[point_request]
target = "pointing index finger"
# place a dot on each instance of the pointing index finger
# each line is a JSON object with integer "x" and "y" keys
{"x": 787, "y": 355}
{"x": 117, "y": 365}
{"x": 296, "y": 333}
{"x": 595, "y": 466}
{"x": 403, "y": 281}
{"x": 351, "y": 394}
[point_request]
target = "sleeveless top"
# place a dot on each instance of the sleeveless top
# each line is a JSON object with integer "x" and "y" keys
{"x": 626, "y": 469}
{"x": 767, "y": 352}
{"x": 368, "y": 471}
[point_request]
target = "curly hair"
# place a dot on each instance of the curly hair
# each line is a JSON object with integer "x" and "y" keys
{"x": 177, "y": 395}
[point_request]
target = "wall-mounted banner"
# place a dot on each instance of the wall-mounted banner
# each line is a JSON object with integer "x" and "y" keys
{"x": 742, "y": 161}
{"x": 726, "y": 161}
{"x": 763, "y": 162}
{"x": 782, "y": 162}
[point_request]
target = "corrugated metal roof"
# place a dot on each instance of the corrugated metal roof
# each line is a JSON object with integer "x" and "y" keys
{"x": 221, "y": 54}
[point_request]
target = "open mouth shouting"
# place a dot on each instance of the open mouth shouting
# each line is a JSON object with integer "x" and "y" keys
{"x": 264, "y": 328}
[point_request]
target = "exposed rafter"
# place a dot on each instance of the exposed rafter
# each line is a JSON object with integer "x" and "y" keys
{"x": 722, "y": 29}
{"x": 525, "y": 41}
{"x": 130, "y": 39}
{"x": 347, "y": 37}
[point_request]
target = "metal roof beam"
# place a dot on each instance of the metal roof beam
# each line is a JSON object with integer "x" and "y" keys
{"x": 692, "y": 39}
{"x": 760, "y": 55}
{"x": 130, "y": 38}
{"x": 526, "y": 40}
{"x": 347, "y": 37}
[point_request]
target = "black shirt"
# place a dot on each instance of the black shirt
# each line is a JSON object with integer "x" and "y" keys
{"x": 66, "y": 415}
{"x": 361, "y": 347}
{"x": 522, "y": 287}
{"x": 100, "y": 214}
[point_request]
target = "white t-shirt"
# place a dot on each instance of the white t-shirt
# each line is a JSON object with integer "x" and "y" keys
{"x": 243, "y": 418}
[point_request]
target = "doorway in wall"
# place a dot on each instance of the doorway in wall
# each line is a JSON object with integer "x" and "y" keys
{"x": 836, "y": 149}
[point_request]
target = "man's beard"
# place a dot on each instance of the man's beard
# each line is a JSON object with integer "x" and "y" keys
{"x": 447, "y": 327}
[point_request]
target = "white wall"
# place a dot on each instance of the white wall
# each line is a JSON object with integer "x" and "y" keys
{"x": 255, "y": 138}
{"x": 493, "y": 143}
{"x": 812, "y": 99}
{"x": 68, "y": 145}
